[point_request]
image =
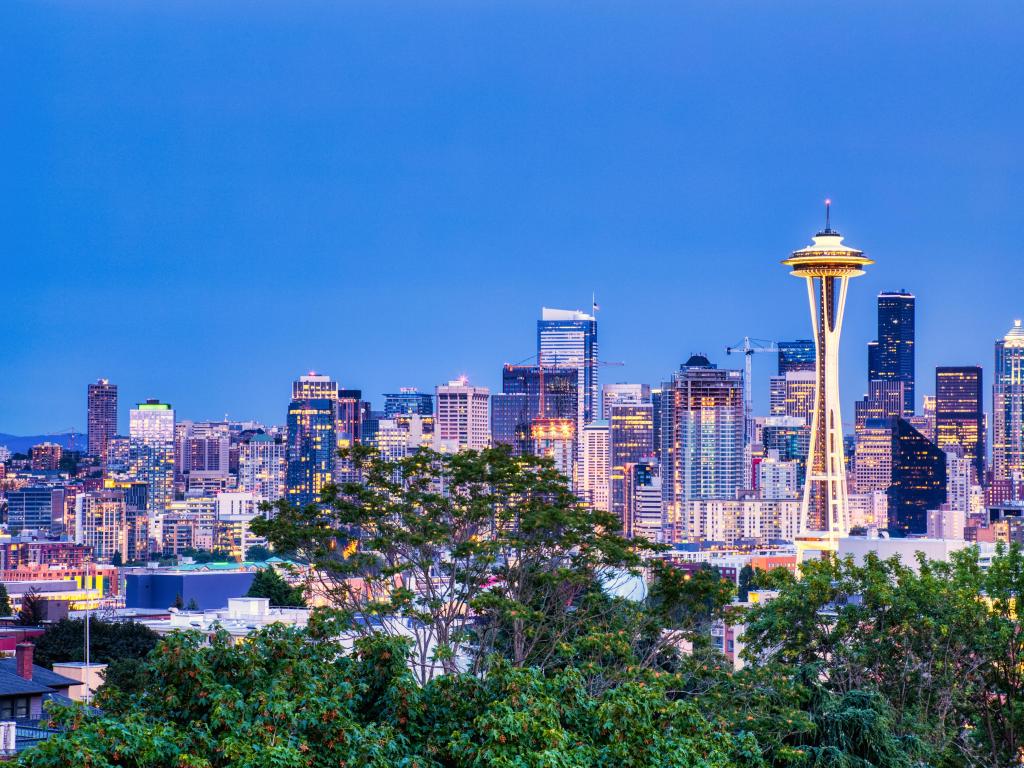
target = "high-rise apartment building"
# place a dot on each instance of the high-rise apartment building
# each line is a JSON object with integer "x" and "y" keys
{"x": 594, "y": 465}
{"x": 776, "y": 478}
{"x": 702, "y": 426}
{"x": 918, "y": 480}
{"x": 792, "y": 394}
{"x": 263, "y": 466}
{"x": 46, "y": 457}
{"x": 463, "y": 419}
{"x": 623, "y": 394}
{"x": 796, "y": 356}
{"x": 960, "y": 413}
{"x": 1008, "y": 406}
{"x": 151, "y": 432}
{"x": 872, "y": 465}
{"x": 630, "y": 441}
{"x": 101, "y": 416}
{"x": 891, "y": 356}
{"x": 642, "y": 510}
{"x": 568, "y": 339}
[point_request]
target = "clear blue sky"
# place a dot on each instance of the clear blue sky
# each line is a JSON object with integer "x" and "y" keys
{"x": 201, "y": 200}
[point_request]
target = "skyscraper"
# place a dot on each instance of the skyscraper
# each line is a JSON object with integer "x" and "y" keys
{"x": 884, "y": 400}
{"x": 262, "y": 466}
{"x": 568, "y": 339}
{"x": 918, "y": 480}
{"x": 515, "y": 416}
{"x": 827, "y": 267}
{"x": 960, "y": 414}
{"x": 312, "y": 448}
{"x": 701, "y": 434}
{"x": 101, "y": 406}
{"x": 792, "y": 394}
{"x": 151, "y": 447}
{"x": 1008, "y": 406}
{"x": 642, "y": 506}
{"x": 796, "y": 356}
{"x": 630, "y": 441}
{"x": 408, "y": 401}
{"x": 463, "y": 419}
{"x": 891, "y": 357}
{"x": 623, "y": 394}
{"x": 594, "y": 465}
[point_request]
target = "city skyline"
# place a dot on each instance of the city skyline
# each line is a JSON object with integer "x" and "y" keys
{"x": 164, "y": 245}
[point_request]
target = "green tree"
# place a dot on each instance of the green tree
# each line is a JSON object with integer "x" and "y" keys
{"x": 258, "y": 554}
{"x": 109, "y": 641}
{"x": 270, "y": 584}
{"x": 5, "y": 602}
{"x": 940, "y": 642}
{"x": 746, "y": 582}
{"x": 432, "y": 538}
{"x": 32, "y": 608}
{"x": 291, "y": 697}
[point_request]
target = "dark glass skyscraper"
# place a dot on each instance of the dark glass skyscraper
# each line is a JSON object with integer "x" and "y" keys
{"x": 959, "y": 413}
{"x": 796, "y": 355}
{"x": 520, "y": 403}
{"x": 568, "y": 339}
{"x": 101, "y": 416}
{"x": 312, "y": 445}
{"x": 409, "y": 401}
{"x": 918, "y": 480}
{"x": 891, "y": 356}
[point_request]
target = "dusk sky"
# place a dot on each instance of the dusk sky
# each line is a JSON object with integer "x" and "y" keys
{"x": 203, "y": 200}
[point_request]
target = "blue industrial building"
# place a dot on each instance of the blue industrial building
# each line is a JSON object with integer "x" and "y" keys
{"x": 209, "y": 589}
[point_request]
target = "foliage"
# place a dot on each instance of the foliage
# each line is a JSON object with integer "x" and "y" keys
{"x": 270, "y": 584}
{"x": 940, "y": 643}
{"x": 258, "y": 554}
{"x": 432, "y": 538}
{"x": 32, "y": 608}
{"x": 109, "y": 641}
{"x": 5, "y": 602}
{"x": 287, "y": 697}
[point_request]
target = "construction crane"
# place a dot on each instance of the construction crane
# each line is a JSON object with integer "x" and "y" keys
{"x": 750, "y": 347}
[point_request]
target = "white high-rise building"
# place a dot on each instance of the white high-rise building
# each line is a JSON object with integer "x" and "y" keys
{"x": 776, "y": 479}
{"x": 152, "y": 422}
{"x": 594, "y": 465}
{"x": 262, "y": 467}
{"x": 463, "y": 416}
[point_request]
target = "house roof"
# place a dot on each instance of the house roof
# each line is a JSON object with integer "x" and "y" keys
{"x": 40, "y": 676}
{"x": 13, "y": 684}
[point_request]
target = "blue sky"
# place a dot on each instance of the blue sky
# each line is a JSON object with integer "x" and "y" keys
{"x": 200, "y": 200}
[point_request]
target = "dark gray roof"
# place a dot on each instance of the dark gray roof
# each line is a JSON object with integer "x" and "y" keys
{"x": 16, "y": 685}
{"x": 40, "y": 675}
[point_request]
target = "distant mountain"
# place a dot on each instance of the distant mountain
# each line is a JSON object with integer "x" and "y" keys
{"x": 21, "y": 443}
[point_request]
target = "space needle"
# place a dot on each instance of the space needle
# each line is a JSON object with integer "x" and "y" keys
{"x": 827, "y": 265}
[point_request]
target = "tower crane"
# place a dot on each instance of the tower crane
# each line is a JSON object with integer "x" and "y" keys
{"x": 749, "y": 347}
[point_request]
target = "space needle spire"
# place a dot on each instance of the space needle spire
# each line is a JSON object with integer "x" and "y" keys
{"x": 827, "y": 266}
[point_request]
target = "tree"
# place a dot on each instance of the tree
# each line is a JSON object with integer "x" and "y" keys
{"x": 258, "y": 554}
{"x": 746, "y": 582}
{"x": 292, "y": 697}
{"x": 109, "y": 641}
{"x": 270, "y": 584}
{"x": 116, "y": 560}
{"x": 940, "y": 642}
{"x": 432, "y": 538}
{"x": 32, "y": 608}
{"x": 5, "y": 601}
